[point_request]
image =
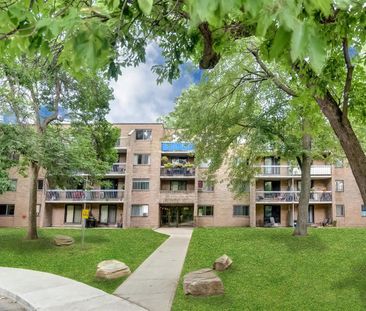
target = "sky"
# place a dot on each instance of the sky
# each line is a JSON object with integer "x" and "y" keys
{"x": 138, "y": 98}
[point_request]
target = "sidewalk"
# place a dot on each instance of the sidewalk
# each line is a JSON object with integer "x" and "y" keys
{"x": 154, "y": 282}
{"x": 42, "y": 291}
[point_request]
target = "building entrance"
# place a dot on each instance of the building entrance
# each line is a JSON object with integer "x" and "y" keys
{"x": 176, "y": 216}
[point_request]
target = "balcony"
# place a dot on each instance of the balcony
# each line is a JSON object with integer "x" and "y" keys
{"x": 186, "y": 172}
{"x": 177, "y": 147}
{"x": 291, "y": 171}
{"x": 177, "y": 196}
{"x": 121, "y": 143}
{"x": 84, "y": 196}
{"x": 288, "y": 197}
{"x": 118, "y": 169}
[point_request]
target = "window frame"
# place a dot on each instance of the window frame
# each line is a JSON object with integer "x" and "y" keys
{"x": 13, "y": 185}
{"x": 337, "y": 182}
{"x": 136, "y": 158}
{"x": 108, "y": 212}
{"x": 179, "y": 185}
{"x": 204, "y": 210}
{"x": 8, "y": 207}
{"x": 343, "y": 210}
{"x": 363, "y": 210}
{"x": 73, "y": 216}
{"x": 141, "y": 181}
{"x": 143, "y": 131}
{"x": 38, "y": 183}
{"x": 141, "y": 208}
{"x": 242, "y": 206}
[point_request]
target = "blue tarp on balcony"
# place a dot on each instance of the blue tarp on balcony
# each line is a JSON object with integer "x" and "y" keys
{"x": 177, "y": 146}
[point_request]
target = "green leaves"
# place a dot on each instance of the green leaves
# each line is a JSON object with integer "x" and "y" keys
{"x": 145, "y": 6}
{"x": 298, "y": 41}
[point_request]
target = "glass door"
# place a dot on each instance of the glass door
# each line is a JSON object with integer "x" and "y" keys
{"x": 272, "y": 211}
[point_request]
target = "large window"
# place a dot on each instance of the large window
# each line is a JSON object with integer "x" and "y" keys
{"x": 141, "y": 184}
{"x": 205, "y": 210}
{"x": 107, "y": 214}
{"x": 339, "y": 185}
{"x": 178, "y": 185}
{"x": 7, "y": 209}
{"x": 143, "y": 134}
{"x": 141, "y": 210}
{"x": 241, "y": 210}
{"x": 141, "y": 159}
{"x": 340, "y": 210}
{"x": 73, "y": 214}
{"x": 40, "y": 184}
{"x": 363, "y": 210}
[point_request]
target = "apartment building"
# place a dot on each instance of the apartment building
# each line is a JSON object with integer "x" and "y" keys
{"x": 155, "y": 182}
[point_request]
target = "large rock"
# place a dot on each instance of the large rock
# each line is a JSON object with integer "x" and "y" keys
{"x": 222, "y": 263}
{"x": 112, "y": 269}
{"x": 63, "y": 240}
{"x": 202, "y": 282}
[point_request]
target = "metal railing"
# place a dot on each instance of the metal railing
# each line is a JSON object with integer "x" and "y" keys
{"x": 286, "y": 170}
{"x": 84, "y": 195}
{"x": 178, "y": 171}
{"x": 118, "y": 168}
{"x": 121, "y": 142}
{"x": 292, "y": 196}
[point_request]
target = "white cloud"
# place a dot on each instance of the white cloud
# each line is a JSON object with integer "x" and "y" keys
{"x": 138, "y": 98}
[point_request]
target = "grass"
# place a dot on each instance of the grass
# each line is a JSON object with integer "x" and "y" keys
{"x": 132, "y": 246}
{"x": 273, "y": 270}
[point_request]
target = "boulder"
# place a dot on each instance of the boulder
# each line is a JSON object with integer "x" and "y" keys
{"x": 222, "y": 263}
{"x": 63, "y": 240}
{"x": 112, "y": 269}
{"x": 202, "y": 282}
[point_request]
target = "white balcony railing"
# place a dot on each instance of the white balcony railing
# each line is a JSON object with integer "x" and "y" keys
{"x": 84, "y": 195}
{"x": 292, "y": 196}
{"x": 286, "y": 170}
{"x": 122, "y": 143}
{"x": 118, "y": 169}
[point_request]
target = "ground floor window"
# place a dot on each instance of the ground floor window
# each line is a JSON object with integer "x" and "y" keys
{"x": 340, "y": 210}
{"x": 311, "y": 214}
{"x": 140, "y": 210}
{"x": 107, "y": 214}
{"x": 363, "y": 210}
{"x": 205, "y": 210}
{"x": 73, "y": 213}
{"x": 7, "y": 209}
{"x": 272, "y": 211}
{"x": 241, "y": 210}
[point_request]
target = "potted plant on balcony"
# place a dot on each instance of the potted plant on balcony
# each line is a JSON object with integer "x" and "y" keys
{"x": 189, "y": 167}
{"x": 164, "y": 160}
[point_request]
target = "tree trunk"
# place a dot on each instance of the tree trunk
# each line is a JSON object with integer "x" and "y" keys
{"x": 32, "y": 214}
{"x": 302, "y": 215}
{"x": 348, "y": 140}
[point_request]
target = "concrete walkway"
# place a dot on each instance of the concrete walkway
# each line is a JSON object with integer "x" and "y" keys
{"x": 36, "y": 290}
{"x": 155, "y": 281}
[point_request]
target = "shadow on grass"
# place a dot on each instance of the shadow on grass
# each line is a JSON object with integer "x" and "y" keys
{"x": 355, "y": 281}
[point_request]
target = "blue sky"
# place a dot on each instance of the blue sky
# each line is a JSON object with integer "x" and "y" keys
{"x": 138, "y": 98}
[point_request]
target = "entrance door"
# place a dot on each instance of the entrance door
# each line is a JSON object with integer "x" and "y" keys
{"x": 272, "y": 211}
{"x": 176, "y": 216}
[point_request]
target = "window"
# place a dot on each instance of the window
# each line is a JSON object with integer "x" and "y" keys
{"x": 107, "y": 214}
{"x": 204, "y": 185}
{"x": 363, "y": 210}
{"x": 38, "y": 210}
{"x": 140, "y": 184}
{"x": 311, "y": 214}
{"x": 178, "y": 185}
{"x": 13, "y": 185}
{"x": 7, "y": 209}
{"x": 143, "y": 134}
{"x": 73, "y": 214}
{"x": 141, "y": 159}
{"x": 205, "y": 210}
{"x": 241, "y": 210}
{"x": 140, "y": 210}
{"x": 40, "y": 184}
{"x": 339, "y": 185}
{"x": 340, "y": 210}
{"x": 339, "y": 163}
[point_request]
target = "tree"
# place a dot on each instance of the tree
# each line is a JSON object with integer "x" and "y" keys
{"x": 40, "y": 95}
{"x": 235, "y": 116}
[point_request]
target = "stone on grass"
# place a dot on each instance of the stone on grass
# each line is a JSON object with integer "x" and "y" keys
{"x": 63, "y": 240}
{"x": 222, "y": 263}
{"x": 112, "y": 269}
{"x": 202, "y": 282}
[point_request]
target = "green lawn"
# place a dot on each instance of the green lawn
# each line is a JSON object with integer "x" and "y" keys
{"x": 131, "y": 246}
{"x": 273, "y": 270}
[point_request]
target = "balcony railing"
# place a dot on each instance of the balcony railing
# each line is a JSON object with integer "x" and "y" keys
{"x": 121, "y": 143}
{"x": 292, "y": 196}
{"x": 178, "y": 171}
{"x": 118, "y": 169}
{"x": 286, "y": 170}
{"x": 173, "y": 146}
{"x": 84, "y": 195}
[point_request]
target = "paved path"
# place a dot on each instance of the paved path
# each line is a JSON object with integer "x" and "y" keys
{"x": 7, "y": 304}
{"x": 42, "y": 291}
{"x": 154, "y": 283}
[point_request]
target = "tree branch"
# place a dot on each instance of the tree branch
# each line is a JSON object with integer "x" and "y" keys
{"x": 348, "y": 82}
{"x": 56, "y": 101}
{"x": 271, "y": 75}
{"x": 209, "y": 58}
